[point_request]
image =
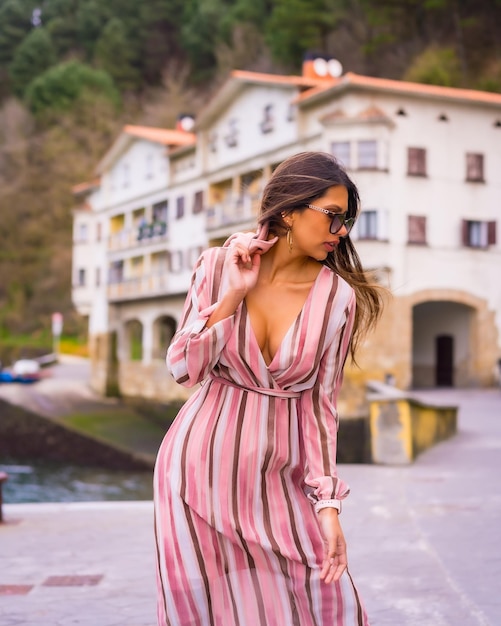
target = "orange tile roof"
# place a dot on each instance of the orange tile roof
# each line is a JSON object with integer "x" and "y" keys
{"x": 166, "y": 136}
{"x": 299, "y": 81}
{"x": 400, "y": 86}
{"x": 87, "y": 186}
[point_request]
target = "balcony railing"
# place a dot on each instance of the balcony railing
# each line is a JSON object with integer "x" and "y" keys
{"x": 146, "y": 234}
{"x": 232, "y": 211}
{"x": 150, "y": 285}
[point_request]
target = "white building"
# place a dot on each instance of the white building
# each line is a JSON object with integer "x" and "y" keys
{"x": 426, "y": 160}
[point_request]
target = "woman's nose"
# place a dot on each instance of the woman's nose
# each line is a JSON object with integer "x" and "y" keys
{"x": 342, "y": 232}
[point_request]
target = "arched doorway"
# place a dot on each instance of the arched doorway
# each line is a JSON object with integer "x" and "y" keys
{"x": 442, "y": 344}
{"x": 134, "y": 340}
{"x": 444, "y": 361}
{"x": 163, "y": 330}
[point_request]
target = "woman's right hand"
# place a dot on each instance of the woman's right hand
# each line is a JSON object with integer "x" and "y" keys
{"x": 243, "y": 269}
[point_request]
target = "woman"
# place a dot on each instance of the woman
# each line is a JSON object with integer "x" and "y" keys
{"x": 247, "y": 496}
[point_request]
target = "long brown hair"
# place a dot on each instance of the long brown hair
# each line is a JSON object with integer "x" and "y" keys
{"x": 300, "y": 180}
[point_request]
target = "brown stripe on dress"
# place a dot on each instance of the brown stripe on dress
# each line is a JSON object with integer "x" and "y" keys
{"x": 291, "y": 515}
{"x": 217, "y": 274}
{"x": 360, "y": 613}
{"x": 238, "y": 527}
{"x": 315, "y": 393}
{"x": 224, "y": 555}
{"x": 159, "y": 569}
{"x": 282, "y": 561}
{"x": 201, "y": 563}
{"x": 243, "y": 340}
{"x": 193, "y": 534}
{"x": 323, "y": 330}
{"x": 211, "y": 454}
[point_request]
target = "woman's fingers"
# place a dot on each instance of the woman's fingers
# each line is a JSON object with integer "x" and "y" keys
{"x": 333, "y": 568}
{"x": 335, "y": 559}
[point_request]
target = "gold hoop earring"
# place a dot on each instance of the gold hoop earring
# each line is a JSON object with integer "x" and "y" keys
{"x": 290, "y": 240}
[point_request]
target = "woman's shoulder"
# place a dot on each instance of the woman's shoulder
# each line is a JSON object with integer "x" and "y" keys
{"x": 339, "y": 285}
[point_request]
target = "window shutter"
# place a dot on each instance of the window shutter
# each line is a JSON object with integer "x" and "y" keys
{"x": 465, "y": 233}
{"x": 491, "y": 233}
{"x": 416, "y": 226}
{"x": 382, "y": 225}
{"x": 198, "y": 202}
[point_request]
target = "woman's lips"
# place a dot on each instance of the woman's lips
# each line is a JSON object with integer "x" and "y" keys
{"x": 330, "y": 245}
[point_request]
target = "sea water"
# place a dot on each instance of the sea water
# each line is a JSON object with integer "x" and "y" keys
{"x": 51, "y": 482}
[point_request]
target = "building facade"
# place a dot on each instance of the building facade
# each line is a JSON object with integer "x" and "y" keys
{"x": 426, "y": 160}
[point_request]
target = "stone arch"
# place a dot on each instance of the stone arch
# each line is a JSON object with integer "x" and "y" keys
{"x": 133, "y": 340}
{"x": 460, "y": 320}
{"x": 164, "y": 328}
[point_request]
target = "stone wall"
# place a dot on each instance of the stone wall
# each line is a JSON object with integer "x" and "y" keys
{"x": 25, "y": 435}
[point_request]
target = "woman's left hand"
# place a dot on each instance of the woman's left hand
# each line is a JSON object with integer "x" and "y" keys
{"x": 335, "y": 558}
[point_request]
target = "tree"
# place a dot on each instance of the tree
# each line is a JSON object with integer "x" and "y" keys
{"x": 436, "y": 66}
{"x": 159, "y": 37}
{"x": 33, "y": 56}
{"x": 113, "y": 53}
{"x": 61, "y": 86}
{"x": 92, "y": 17}
{"x": 296, "y": 26}
{"x": 200, "y": 32}
{"x": 63, "y": 32}
{"x": 15, "y": 24}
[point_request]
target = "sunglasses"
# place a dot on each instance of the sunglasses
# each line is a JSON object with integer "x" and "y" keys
{"x": 338, "y": 220}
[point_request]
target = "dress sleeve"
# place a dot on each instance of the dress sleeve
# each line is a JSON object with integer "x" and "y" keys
{"x": 195, "y": 349}
{"x": 319, "y": 420}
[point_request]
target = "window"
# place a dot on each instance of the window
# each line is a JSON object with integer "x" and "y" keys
{"x": 99, "y": 231}
{"x": 342, "y": 151}
{"x": 367, "y": 155}
{"x": 116, "y": 274}
{"x": 83, "y": 232}
{"x": 416, "y": 162}
{"x": 371, "y": 224}
{"x": 232, "y": 136}
{"x": 416, "y": 229}
{"x": 180, "y": 207}
{"x": 479, "y": 234}
{"x": 81, "y": 278}
{"x": 267, "y": 122}
{"x": 160, "y": 211}
{"x": 475, "y": 167}
{"x": 198, "y": 202}
{"x": 367, "y": 225}
{"x": 98, "y": 276}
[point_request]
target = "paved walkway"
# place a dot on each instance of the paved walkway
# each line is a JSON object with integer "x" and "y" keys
{"x": 424, "y": 541}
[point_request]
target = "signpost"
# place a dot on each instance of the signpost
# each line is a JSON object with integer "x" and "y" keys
{"x": 57, "y": 329}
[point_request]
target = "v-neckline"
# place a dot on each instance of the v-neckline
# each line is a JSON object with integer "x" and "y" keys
{"x": 288, "y": 331}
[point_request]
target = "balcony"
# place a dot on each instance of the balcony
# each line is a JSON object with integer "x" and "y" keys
{"x": 148, "y": 286}
{"x": 232, "y": 212}
{"x": 146, "y": 234}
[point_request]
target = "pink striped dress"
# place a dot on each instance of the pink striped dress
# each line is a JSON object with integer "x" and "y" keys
{"x": 238, "y": 540}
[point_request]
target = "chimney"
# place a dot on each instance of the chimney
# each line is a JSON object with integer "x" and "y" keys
{"x": 185, "y": 122}
{"x": 321, "y": 67}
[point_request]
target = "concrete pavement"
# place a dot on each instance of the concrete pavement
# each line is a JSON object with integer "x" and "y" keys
{"x": 423, "y": 541}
